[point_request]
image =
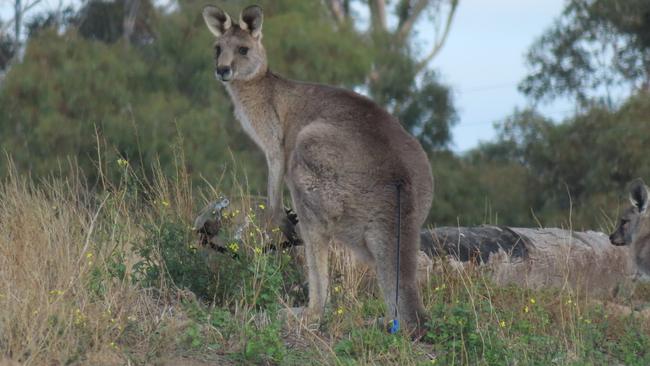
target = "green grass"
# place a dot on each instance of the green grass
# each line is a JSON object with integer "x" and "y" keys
{"x": 116, "y": 277}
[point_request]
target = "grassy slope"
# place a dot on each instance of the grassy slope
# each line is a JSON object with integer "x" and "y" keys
{"x": 114, "y": 277}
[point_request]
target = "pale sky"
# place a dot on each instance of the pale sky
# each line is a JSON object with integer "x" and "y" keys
{"x": 483, "y": 61}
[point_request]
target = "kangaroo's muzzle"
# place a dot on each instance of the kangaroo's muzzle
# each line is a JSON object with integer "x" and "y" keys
{"x": 224, "y": 73}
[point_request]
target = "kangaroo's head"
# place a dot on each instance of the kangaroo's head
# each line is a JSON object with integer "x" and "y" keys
{"x": 634, "y": 222}
{"x": 238, "y": 51}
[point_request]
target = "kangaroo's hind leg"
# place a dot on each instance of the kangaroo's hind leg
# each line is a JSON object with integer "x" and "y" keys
{"x": 405, "y": 298}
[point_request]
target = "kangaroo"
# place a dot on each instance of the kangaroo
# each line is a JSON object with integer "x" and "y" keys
{"x": 344, "y": 159}
{"x": 634, "y": 228}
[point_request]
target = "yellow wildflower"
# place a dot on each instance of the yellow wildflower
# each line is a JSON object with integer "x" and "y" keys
{"x": 79, "y": 317}
{"x": 57, "y": 292}
{"x": 261, "y": 206}
{"x": 502, "y": 324}
{"x": 89, "y": 255}
{"x": 337, "y": 289}
{"x": 532, "y": 300}
{"x": 122, "y": 163}
{"x": 275, "y": 229}
{"x": 165, "y": 203}
{"x": 234, "y": 247}
{"x": 258, "y": 250}
{"x": 526, "y": 309}
{"x": 339, "y": 311}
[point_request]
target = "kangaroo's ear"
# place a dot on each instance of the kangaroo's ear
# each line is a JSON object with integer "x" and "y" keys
{"x": 217, "y": 20}
{"x": 251, "y": 19}
{"x": 639, "y": 195}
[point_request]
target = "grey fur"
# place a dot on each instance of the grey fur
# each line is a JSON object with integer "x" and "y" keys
{"x": 342, "y": 157}
{"x": 634, "y": 228}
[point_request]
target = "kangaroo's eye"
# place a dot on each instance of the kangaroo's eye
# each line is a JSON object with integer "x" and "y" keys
{"x": 243, "y": 51}
{"x": 218, "y": 50}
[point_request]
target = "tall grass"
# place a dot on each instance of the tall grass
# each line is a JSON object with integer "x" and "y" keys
{"x": 113, "y": 275}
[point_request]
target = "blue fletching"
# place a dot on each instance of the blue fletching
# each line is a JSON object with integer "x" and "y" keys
{"x": 394, "y": 327}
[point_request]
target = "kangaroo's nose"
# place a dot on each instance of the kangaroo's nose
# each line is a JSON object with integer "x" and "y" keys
{"x": 616, "y": 240}
{"x": 224, "y": 73}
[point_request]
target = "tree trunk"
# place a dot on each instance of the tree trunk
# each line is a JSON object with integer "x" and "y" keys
{"x": 18, "y": 17}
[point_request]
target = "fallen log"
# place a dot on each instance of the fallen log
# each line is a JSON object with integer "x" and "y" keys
{"x": 474, "y": 244}
{"x": 535, "y": 258}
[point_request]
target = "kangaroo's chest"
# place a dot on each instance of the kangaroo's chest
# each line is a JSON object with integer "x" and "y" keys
{"x": 259, "y": 121}
{"x": 245, "y": 120}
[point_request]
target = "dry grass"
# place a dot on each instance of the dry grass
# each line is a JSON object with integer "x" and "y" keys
{"x": 57, "y": 240}
{"x": 69, "y": 295}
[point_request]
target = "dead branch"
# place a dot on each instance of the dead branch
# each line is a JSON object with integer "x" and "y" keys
{"x": 439, "y": 41}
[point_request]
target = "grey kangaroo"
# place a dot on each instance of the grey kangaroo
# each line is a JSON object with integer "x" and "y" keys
{"x": 634, "y": 229}
{"x": 342, "y": 157}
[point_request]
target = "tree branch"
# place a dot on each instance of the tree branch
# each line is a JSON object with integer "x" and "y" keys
{"x": 29, "y": 6}
{"x": 378, "y": 11}
{"x": 438, "y": 43}
{"x": 414, "y": 13}
{"x": 338, "y": 10}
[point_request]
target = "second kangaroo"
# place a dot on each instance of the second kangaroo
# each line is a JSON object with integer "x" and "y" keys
{"x": 342, "y": 157}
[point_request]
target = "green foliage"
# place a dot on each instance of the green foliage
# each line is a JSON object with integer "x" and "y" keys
{"x": 104, "y": 20}
{"x": 470, "y": 191}
{"x": 167, "y": 254}
{"x": 192, "y": 337}
{"x": 453, "y": 331}
{"x": 429, "y": 113}
{"x": 71, "y": 94}
{"x": 593, "y": 45}
{"x": 86, "y": 89}
{"x": 361, "y": 344}
{"x": 7, "y": 49}
{"x": 583, "y": 164}
{"x": 263, "y": 343}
